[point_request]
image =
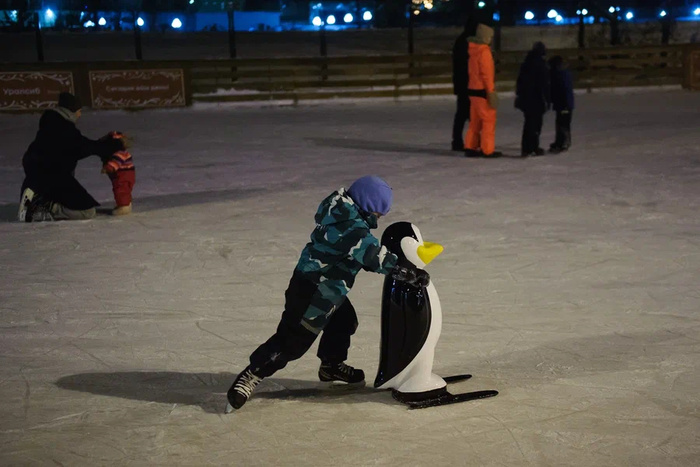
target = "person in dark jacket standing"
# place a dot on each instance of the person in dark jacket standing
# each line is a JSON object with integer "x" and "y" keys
{"x": 460, "y": 83}
{"x": 50, "y": 190}
{"x": 532, "y": 97}
{"x": 562, "y": 102}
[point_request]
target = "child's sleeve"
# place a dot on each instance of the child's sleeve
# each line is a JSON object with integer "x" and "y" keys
{"x": 373, "y": 256}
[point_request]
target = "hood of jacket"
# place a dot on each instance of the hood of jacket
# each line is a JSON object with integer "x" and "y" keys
{"x": 339, "y": 207}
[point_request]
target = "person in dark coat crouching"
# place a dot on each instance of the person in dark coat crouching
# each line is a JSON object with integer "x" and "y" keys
{"x": 562, "y": 102}
{"x": 533, "y": 98}
{"x": 50, "y": 190}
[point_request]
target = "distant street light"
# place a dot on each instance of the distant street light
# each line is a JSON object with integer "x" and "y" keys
{"x": 367, "y": 16}
{"x": 552, "y": 14}
{"x": 663, "y": 13}
{"x": 140, "y": 22}
{"x": 481, "y": 4}
{"x": 629, "y": 15}
{"x": 330, "y": 19}
{"x": 317, "y": 21}
{"x": 529, "y": 15}
{"x": 348, "y": 18}
{"x": 176, "y": 24}
{"x": 102, "y": 21}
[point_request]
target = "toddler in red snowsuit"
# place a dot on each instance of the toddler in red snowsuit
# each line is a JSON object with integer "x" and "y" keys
{"x": 120, "y": 169}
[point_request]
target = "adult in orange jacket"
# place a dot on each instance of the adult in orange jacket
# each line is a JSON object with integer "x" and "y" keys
{"x": 481, "y": 136}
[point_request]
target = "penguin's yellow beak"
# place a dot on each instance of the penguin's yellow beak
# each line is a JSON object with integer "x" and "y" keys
{"x": 428, "y": 251}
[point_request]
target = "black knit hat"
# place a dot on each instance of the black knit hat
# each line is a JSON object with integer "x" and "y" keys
{"x": 69, "y": 101}
{"x": 539, "y": 48}
{"x": 485, "y": 17}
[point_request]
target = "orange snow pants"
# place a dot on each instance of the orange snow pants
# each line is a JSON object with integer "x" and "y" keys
{"x": 482, "y": 126}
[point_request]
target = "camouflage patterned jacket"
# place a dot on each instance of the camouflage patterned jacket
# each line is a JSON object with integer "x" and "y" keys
{"x": 341, "y": 245}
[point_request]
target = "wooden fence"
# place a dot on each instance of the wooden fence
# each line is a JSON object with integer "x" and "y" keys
{"x": 299, "y": 79}
{"x": 406, "y": 75}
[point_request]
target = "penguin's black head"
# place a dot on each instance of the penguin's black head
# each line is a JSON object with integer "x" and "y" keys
{"x": 405, "y": 241}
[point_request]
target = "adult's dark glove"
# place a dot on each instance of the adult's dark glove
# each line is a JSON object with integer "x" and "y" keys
{"x": 414, "y": 276}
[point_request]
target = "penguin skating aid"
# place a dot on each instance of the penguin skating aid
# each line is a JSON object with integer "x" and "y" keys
{"x": 411, "y": 326}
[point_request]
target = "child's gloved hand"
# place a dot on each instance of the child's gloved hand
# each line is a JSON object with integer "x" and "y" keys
{"x": 414, "y": 276}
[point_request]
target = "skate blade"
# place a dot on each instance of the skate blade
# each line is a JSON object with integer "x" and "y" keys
{"x": 448, "y": 399}
{"x": 229, "y": 408}
{"x": 341, "y": 385}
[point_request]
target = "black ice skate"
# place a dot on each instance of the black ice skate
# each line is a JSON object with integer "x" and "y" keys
{"x": 33, "y": 208}
{"x": 241, "y": 389}
{"x": 340, "y": 372}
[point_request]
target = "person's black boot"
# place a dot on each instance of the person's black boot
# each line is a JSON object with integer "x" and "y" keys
{"x": 241, "y": 389}
{"x": 340, "y": 372}
{"x": 472, "y": 153}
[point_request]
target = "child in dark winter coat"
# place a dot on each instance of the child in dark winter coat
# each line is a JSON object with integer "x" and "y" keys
{"x": 121, "y": 171}
{"x": 532, "y": 96}
{"x": 563, "y": 103}
{"x": 316, "y": 299}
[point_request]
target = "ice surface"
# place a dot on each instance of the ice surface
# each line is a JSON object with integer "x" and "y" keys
{"x": 569, "y": 283}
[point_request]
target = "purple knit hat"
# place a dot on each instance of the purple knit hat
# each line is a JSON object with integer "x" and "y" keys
{"x": 372, "y": 194}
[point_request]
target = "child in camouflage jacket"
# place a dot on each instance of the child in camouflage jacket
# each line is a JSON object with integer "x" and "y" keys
{"x": 316, "y": 299}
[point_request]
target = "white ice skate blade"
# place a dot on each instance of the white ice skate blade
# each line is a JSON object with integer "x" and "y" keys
{"x": 229, "y": 408}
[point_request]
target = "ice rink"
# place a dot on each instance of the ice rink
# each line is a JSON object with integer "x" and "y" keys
{"x": 569, "y": 283}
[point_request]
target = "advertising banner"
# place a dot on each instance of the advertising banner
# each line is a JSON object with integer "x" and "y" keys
{"x": 31, "y": 90}
{"x": 123, "y": 89}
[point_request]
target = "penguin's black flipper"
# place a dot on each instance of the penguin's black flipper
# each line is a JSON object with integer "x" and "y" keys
{"x": 447, "y": 398}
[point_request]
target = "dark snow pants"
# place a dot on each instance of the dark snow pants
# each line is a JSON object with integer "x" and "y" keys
{"x": 531, "y": 132}
{"x": 563, "y": 129}
{"x": 461, "y": 117}
{"x": 292, "y": 339}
